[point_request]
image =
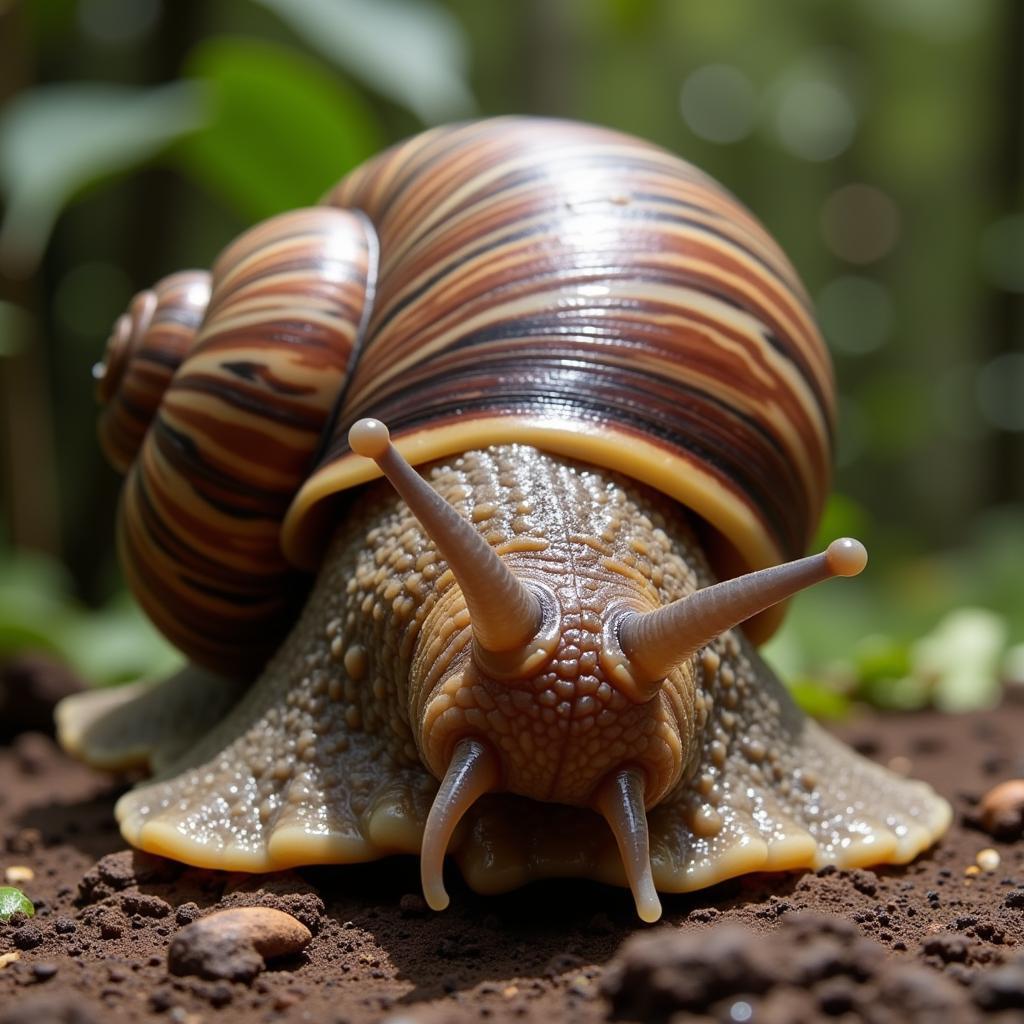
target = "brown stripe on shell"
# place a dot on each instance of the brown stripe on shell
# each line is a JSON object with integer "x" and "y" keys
{"x": 144, "y": 350}
{"x": 240, "y": 423}
{"x": 581, "y": 280}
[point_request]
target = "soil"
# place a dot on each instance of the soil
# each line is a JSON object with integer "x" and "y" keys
{"x": 938, "y": 940}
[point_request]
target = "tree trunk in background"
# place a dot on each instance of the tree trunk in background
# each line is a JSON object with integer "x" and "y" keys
{"x": 145, "y": 247}
{"x": 26, "y": 412}
{"x": 1008, "y": 306}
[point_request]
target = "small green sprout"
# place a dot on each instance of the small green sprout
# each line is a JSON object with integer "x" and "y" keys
{"x": 14, "y": 901}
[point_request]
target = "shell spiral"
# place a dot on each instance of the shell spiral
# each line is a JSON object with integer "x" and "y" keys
{"x": 511, "y": 280}
{"x": 235, "y": 432}
{"x": 144, "y": 350}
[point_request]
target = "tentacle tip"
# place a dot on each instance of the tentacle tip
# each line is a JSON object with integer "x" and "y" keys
{"x": 436, "y": 897}
{"x": 846, "y": 556}
{"x": 648, "y": 908}
{"x": 369, "y": 438}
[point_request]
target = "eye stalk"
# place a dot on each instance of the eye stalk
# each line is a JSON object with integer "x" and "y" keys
{"x": 514, "y": 625}
{"x": 641, "y": 648}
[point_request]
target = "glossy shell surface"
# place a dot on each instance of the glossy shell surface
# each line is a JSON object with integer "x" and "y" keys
{"x": 574, "y": 288}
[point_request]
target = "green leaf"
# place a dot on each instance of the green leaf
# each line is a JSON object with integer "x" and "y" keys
{"x": 14, "y": 901}
{"x": 819, "y": 699}
{"x": 880, "y": 657}
{"x": 118, "y": 644}
{"x": 55, "y": 139}
{"x": 37, "y": 612}
{"x": 412, "y": 51}
{"x": 283, "y": 128}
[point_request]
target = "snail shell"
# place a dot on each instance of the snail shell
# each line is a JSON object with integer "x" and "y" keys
{"x": 144, "y": 350}
{"x": 539, "y": 282}
{"x": 234, "y": 433}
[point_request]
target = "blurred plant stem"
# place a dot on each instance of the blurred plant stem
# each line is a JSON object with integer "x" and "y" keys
{"x": 26, "y": 432}
{"x": 1008, "y": 190}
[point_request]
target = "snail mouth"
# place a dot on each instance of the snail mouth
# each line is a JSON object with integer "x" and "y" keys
{"x": 475, "y": 769}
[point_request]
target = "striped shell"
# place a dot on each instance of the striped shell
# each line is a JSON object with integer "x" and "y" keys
{"x": 577, "y": 289}
{"x": 235, "y": 433}
{"x": 541, "y": 282}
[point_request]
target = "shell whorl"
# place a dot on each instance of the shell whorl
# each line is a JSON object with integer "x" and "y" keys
{"x": 235, "y": 433}
{"x": 574, "y": 288}
{"x": 143, "y": 352}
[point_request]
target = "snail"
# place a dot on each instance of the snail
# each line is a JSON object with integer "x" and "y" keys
{"x": 610, "y": 384}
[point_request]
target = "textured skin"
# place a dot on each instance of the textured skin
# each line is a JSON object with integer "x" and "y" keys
{"x": 326, "y": 758}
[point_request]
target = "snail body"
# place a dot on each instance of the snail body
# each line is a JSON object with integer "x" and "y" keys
{"x": 608, "y": 377}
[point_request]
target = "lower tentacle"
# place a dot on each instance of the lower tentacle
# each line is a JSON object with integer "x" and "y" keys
{"x": 473, "y": 771}
{"x": 621, "y": 800}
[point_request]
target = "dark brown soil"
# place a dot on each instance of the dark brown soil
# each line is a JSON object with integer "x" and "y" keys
{"x": 926, "y": 943}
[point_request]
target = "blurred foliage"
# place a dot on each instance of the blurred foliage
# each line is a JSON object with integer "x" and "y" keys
{"x": 266, "y": 103}
{"x": 111, "y": 644}
{"x": 881, "y": 141}
{"x": 56, "y": 139}
{"x": 943, "y": 629}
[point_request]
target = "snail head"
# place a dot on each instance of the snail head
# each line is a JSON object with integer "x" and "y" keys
{"x": 510, "y": 663}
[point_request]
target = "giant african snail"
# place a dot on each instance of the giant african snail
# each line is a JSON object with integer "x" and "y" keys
{"x": 609, "y": 377}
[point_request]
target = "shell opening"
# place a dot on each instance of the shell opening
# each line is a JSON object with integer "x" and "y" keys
{"x": 651, "y": 644}
{"x": 473, "y": 771}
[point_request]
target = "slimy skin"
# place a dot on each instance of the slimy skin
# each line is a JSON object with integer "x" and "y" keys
{"x": 335, "y": 753}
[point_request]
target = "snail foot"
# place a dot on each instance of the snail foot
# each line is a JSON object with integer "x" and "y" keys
{"x": 283, "y": 780}
{"x": 147, "y": 723}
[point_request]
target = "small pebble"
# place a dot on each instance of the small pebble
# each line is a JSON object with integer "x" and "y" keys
{"x": 233, "y": 944}
{"x": 43, "y": 970}
{"x": 1002, "y": 810}
{"x": 412, "y": 904}
{"x": 17, "y": 873}
{"x": 28, "y": 936}
{"x": 144, "y": 904}
{"x": 186, "y": 913}
{"x": 988, "y": 859}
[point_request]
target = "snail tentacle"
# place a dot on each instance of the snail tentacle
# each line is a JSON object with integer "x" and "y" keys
{"x": 621, "y": 800}
{"x": 653, "y": 643}
{"x": 472, "y": 772}
{"x": 504, "y": 612}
